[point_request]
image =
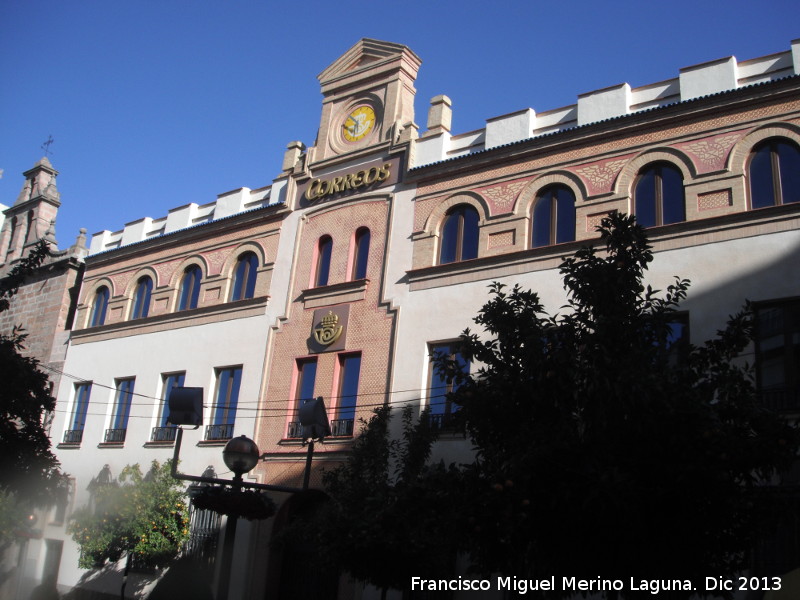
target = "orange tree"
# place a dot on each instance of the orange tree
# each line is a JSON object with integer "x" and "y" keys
{"x": 603, "y": 449}
{"x": 145, "y": 515}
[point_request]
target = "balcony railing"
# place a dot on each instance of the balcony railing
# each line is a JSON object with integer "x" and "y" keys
{"x": 223, "y": 431}
{"x": 163, "y": 434}
{"x": 115, "y": 436}
{"x": 441, "y": 421}
{"x": 342, "y": 427}
{"x": 295, "y": 430}
{"x": 73, "y": 436}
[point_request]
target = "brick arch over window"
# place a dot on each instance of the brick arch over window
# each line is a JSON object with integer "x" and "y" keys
{"x": 139, "y": 298}
{"x": 630, "y": 172}
{"x": 177, "y": 280}
{"x": 522, "y": 206}
{"x": 630, "y": 177}
{"x": 766, "y": 159}
{"x": 91, "y": 297}
{"x": 231, "y": 265}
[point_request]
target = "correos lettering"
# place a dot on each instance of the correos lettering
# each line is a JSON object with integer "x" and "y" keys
{"x": 319, "y": 188}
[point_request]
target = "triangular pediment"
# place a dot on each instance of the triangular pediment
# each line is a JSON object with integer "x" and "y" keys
{"x": 365, "y": 53}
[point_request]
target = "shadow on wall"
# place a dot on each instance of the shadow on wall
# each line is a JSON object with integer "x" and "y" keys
{"x": 105, "y": 583}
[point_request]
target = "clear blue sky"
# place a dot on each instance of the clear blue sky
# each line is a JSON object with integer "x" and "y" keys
{"x": 158, "y": 103}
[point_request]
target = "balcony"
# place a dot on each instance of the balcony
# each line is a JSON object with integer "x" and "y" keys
{"x": 163, "y": 434}
{"x": 295, "y": 430}
{"x": 115, "y": 436}
{"x": 342, "y": 427}
{"x": 220, "y": 432}
{"x": 73, "y": 436}
{"x": 441, "y": 421}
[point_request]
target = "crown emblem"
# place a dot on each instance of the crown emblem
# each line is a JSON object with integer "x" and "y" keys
{"x": 329, "y": 329}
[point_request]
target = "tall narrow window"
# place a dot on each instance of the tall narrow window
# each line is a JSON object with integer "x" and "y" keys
{"x": 778, "y": 354}
{"x": 304, "y": 390}
{"x": 226, "y": 399}
{"x": 190, "y": 288}
{"x": 361, "y": 253}
{"x": 122, "y": 410}
{"x": 440, "y": 405}
{"x": 658, "y": 196}
{"x": 324, "y": 250}
{"x": 349, "y": 375}
{"x": 553, "y": 217}
{"x": 459, "y": 235}
{"x": 244, "y": 277}
{"x": 74, "y": 434}
{"x": 165, "y": 431}
{"x": 141, "y": 298}
{"x": 99, "y": 307}
{"x": 774, "y": 173}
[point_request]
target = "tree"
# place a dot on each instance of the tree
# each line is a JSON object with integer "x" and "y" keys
{"x": 603, "y": 449}
{"x": 145, "y": 515}
{"x": 385, "y": 518}
{"x": 29, "y": 471}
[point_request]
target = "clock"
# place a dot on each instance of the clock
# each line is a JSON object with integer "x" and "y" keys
{"x": 358, "y": 123}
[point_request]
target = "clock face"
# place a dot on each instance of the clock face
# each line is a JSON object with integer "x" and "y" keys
{"x": 358, "y": 123}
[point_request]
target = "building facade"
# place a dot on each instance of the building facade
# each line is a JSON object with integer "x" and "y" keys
{"x": 374, "y": 248}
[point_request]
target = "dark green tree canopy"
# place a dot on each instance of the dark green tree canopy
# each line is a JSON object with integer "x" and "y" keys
{"x": 602, "y": 448}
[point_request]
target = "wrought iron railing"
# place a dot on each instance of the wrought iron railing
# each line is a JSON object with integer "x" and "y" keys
{"x": 781, "y": 399}
{"x": 223, "y": 431}
{"x": 295, "y": 430}
{"x": 73, "y": 436}
{"x": 342, "y": 427}
{"x": 441, "y": 421}
{"x": 163, "y": 434}
{"x": 115, "y": 436}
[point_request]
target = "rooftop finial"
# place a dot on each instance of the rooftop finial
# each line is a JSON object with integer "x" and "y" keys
{"x": 46, "y": 145}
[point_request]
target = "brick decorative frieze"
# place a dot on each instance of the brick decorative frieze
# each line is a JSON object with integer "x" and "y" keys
{"x": 593, "y": 220}
{"x": 599, "y": 176}
{"x": 709, "y": 154}
{"x": 712, "y": 200}
{"x": 501, "y": 239}
{"x": 501, "y": 198}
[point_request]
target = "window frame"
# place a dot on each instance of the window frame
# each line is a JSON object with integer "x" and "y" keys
{"x": 189, "y": 292}
{"x": 361, "y": 247}
{"x": 659, "y": 197}
{"x": 322, "y": 266}
{"x": 777, "y": 183}
{"x": 223, "y": 414}
{"x": 80, "y": 408}
{"x": 102, "y": 295}
{"x": 548, "y": 196}
{"x": 121, "y": 411}
{"x": 141, "y": 297}
{"x": 301, "y": 381}
{"x": 785, "y": 395}
{"x": 451, "y": 350}
{"x": 245, "y": 274}
{"x": 348, "y": 376}
{"x": 463, "y": 230}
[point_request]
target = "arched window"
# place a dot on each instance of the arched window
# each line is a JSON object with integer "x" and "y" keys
{"x": 553, "y": 217}
{"x": 99, "y": 307}
{"x": 658, "y": 195}
{"x": 244, "y": 277}
{"x": 141, "y": 298}
{"x": 774, "y": 173}
{"x": 361, "y": 253}
{"x": 459, "y": 234}
{"x": 190, "y": 288}
{"x": 324, "y": 250}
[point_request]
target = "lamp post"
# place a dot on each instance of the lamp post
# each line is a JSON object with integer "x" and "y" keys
{"x": 240, "y": 455}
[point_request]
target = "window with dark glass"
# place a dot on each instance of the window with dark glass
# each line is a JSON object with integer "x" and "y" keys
{"x": 165, "y": 431}
{"x": 122, "y": 410}
{"x": 553, "y": 217}
{"x": 349, "y": 375}
{"x": 141, "y": 298}
{"x": 226, "y": 399}
{"x": 304, "y": 390}
{"x": 324, "y": 250}
{"x": 459, "y": 235}
{"x": 190, "y": 288}
{"x": 74, "y": 434}
{"x": 659, "y": 197}
{"x": 244, "y": 277}
{"x": 777, "y": 335}
{"x": 99, "y": 307}
{"x": 361, "y": 253}
{"x": 439, "y": 386}
{"x": 774, "y": 173}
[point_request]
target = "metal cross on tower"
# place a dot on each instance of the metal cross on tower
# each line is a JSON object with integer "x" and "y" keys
{"x": 46, "y": 145}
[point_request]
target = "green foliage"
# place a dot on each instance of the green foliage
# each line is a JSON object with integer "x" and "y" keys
{"x": 600, "y": 450}
{"x": 146, "y": 515}
{"x": 29, "y": 471}
{"x": 385, "y": 518}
